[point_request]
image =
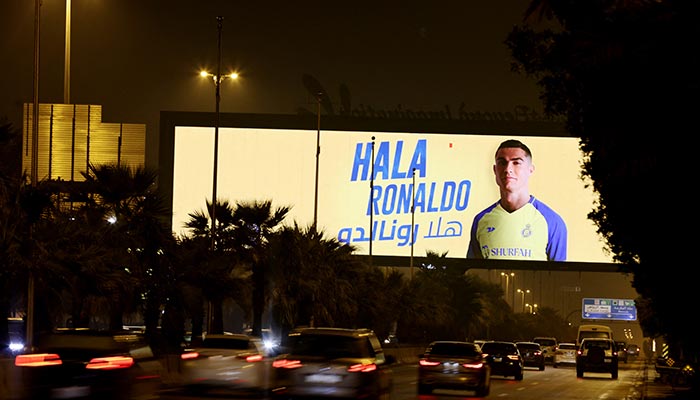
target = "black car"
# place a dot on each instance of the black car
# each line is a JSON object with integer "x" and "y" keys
{"x": 454, "y": 365}
{"x": 87, "y": 364}
{"x": 532, "y": 354}
{"x": 504, "y": 359}
{"x": 331, "y": 363}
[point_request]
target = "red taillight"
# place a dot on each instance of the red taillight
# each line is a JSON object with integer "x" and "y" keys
{"x": 37, "y": 360}
{"x": 362, "y": 367}
{"x": 189, "y": 355}
{"x": 427, "y": 363}
{"x": 288, "y": 364}
{"x": 110, "y": 363}
{"x": 254, "y": 358}
{"x": 473, "y": 366}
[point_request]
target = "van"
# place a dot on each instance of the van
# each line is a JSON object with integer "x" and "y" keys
{"x": 593, "y": 331}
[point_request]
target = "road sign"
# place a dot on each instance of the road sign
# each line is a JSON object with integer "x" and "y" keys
{"x": 609, "y": 309}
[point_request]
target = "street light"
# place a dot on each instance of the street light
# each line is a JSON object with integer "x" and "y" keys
{"x": 508, "y": 277}
{"x": 522, "y": 297}
{"x": 218, "y": 78}
{"x": 532, "y": 308}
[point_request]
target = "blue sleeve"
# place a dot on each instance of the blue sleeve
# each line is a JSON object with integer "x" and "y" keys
{"x": 557, "y": 243}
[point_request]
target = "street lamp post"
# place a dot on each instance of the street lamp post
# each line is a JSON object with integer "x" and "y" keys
{"x": 318, "y": 154}
{"x": 522, "y": 297}
{"x": 532, "y": 308}
{"x": 218, "y": 78}
{"x": 508, "y": 277}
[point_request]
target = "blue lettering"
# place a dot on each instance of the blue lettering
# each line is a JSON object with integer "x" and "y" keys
{"x": 361, "y": 162}
{"x": 431, "y": 198}
{"x": 395, "y": 173}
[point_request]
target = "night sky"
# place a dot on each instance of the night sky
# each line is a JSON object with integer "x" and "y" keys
{"x": 139, "y": 57}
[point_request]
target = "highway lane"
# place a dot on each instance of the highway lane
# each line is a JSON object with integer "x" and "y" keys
{"x": 552, "y": 383}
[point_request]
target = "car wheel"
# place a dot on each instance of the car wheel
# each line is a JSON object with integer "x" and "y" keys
{"x": 519, "y": 377}
{"x": 579, "y": 373}
{"x": 555, "y": 365}
{"x": 614, "y": 374}
{"x": 542, "y": 367}
{"x": 424, "y": 389}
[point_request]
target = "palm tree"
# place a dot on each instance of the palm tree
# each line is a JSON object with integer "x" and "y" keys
{"x": 255, "y": 222}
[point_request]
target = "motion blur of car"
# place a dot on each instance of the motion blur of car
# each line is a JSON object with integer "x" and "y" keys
{"x": 565, "y": 355}
{"x": 226, "y": 362}
{"x": 532, "y": 355}
{"x": 622, "y": 351}
{"x": 84, "y": 363}
{"x": 504, "y": 359}
{"x": 454, "y": 365}
{"x": 332, "y": 363}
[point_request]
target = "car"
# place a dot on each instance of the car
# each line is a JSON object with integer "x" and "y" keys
{"x": 565, "y": 355}
{"x": 68, "y": 363}
{"x": 226, "y": 362}
{"x": 454, "y": 365}
{"x": 532, "y": 355}
{"x": 504, "y": 359}
{"x": 632, "y": 350}
{"x": 325, "y": 362}
{"x": 549, "y": 346}
{"x": 622, "y": 351}
{"x": 597, "y": 355}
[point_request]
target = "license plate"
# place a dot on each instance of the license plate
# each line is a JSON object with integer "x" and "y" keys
{"x": 323, "y": 378}
{"x": 70, "y": 392}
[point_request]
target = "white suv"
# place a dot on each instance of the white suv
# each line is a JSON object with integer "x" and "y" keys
{"x": 597, "y": 355}
{"x": 548, "y": 345}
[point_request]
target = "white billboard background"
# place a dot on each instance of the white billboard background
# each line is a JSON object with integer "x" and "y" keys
{"x": 280, "y": 165}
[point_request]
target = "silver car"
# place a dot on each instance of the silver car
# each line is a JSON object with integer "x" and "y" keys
{"x": 332, "y": 363}
{"x": 226, "y": 362}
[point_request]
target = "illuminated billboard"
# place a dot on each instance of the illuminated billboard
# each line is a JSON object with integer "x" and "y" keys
{"x": 409, "y": 192}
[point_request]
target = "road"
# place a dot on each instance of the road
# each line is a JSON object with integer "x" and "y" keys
{"x": 552, "y": 383}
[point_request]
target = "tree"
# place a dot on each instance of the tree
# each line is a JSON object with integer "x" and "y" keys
{"x": 624, "y": 74}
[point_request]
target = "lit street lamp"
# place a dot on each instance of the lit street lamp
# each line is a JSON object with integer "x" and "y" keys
{"x": 218, "y": 78}
{"x": 522, "y": 297}
{"x": 508, "y": 278}
{"x": 532, "y": 308}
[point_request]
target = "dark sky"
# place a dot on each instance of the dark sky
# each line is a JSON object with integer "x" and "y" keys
{"x": 139, "y": 57}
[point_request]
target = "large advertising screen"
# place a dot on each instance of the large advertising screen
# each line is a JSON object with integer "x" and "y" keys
{"x": 386, "y": 193}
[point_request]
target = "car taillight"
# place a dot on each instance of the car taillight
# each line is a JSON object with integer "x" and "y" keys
{"x": 110, "y": 363}
{"x": 288, "y": 364}
{"x": 427, "y": 363}
{"x": 362, "y": 367}
{"x": 253, "y": 358}
{"x": 37, "y": 360}
{"x": 513, "y": 357}
{"x": 189, "y": 355}
{"x": 473, "y": 365}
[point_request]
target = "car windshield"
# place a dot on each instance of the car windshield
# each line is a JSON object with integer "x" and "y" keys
{"x": 525, "y": 346}
{"x": 499, "y": 348}
{"x": 546, "y": 342}
{"x": 589, "y": 344}
{"x": 330, "y": 346}
{"x": 454, "y": 349}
